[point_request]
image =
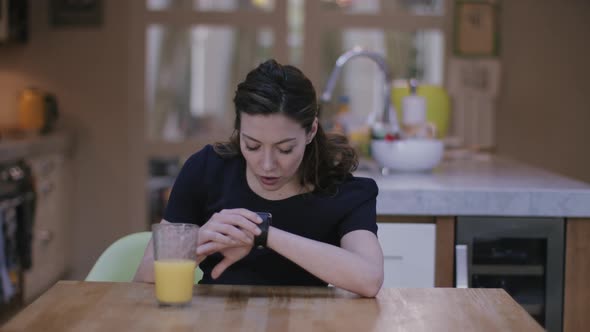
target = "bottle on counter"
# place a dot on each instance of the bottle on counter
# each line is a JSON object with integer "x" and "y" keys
{"x": 384, "y": 131}
{"x": 353, "y": 126}
{"x": 414, "y": 121}
{"x": 37, "y": 111}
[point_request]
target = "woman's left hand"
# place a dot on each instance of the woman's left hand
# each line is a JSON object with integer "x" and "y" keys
{"x": 232, "y": 252}
{"x": 230, "y": 256}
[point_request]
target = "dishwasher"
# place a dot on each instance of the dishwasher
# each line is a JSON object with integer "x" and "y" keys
{"x": 524, "y": 256}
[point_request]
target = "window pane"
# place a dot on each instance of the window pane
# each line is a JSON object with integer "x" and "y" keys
{"x": 353, "y": 6}
{"x": 192, "y": 74}
{"x": 418, "y": 54}
{"x": 419, "y": 7}
{"x": 213, "y": 5}
{"x": 295, "y": 21}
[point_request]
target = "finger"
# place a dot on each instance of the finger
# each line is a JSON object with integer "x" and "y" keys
{"x": 211, "y": 235}
{"x": 240, "y": 221}
{"x": 250, "y": 237}
{"x": 250, "y": 215}
{"x": 221, "y": 267}
{"x": 200, "y": 259}
{"x": 203, "y": 236}
{"x": 233, "y": 232}
{"x": 209, "y": 248}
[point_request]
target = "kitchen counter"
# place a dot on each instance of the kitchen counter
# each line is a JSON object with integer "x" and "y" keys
{"x": 13, "y": 149}
{"x": 481, "y": 186}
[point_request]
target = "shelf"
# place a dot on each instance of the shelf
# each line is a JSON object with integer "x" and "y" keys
{"x": 10, "y": 150}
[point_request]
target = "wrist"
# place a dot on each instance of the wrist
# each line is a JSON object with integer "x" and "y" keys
{"x": 269, "y": 238}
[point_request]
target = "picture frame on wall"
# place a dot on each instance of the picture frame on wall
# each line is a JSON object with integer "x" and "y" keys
{"x": 477, "y": 28}
{"x": 75, "y": 13}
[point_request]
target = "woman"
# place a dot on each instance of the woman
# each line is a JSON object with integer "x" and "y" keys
{"x": 279, "y": 160}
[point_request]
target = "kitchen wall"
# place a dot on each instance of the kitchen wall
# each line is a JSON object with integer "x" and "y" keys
{"x": 542, "y": 119}
{"x": 544, "y": 108}
{"x": 87, "y": 69}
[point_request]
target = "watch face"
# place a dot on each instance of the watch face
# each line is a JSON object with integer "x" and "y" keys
{"x": 266, "y": 216}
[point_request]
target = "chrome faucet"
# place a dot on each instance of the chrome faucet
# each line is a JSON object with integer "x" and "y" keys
{"x": 387, "y": 124}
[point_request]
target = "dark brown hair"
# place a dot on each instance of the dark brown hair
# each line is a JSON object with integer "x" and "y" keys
{"x": 273, "y": 88}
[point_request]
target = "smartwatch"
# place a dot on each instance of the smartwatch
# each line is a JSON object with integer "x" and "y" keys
{"x": 260, "y": 240}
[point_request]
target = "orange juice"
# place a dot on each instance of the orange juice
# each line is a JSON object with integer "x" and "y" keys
{"x": 174, "y": 280}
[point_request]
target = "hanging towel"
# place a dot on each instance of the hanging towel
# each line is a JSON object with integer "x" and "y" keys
{"x": 25, "y": 214}
{"x": 5, "y": 283}
{"x": 26, "y": 217}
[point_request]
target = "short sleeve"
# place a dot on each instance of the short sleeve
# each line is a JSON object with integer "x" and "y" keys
{"x": 363, "y": 214}
{"x": 188, "y": 196}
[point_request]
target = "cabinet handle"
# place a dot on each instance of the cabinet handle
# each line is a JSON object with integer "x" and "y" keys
{"x": 396, "y": 257}
{"x": 46, "y": 187}
{"x": 461, "y": 278}
{"x": 44, "y": 236}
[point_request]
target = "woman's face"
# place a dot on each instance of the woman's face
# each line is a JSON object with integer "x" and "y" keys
{"x": 273, "y": 146}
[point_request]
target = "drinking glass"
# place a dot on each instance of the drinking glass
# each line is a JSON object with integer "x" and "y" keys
{"x": 174, "y": 262}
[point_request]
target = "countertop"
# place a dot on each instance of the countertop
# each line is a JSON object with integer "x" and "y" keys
{"x": 487, "y": 185}
{"x": 481, "y": 185}
{"x": 97, "y": 306}
{"x": 13, "y": 149}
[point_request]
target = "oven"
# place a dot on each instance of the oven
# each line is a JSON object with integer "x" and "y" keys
{"x": 17, "y": 208}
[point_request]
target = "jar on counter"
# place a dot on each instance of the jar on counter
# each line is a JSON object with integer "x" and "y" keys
{"x": 37, "y": 111}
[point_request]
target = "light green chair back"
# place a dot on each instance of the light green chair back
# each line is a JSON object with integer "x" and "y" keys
{"x": 119, "y": 262}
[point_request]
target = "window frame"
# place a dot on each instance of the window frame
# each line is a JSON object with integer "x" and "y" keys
{"x": 317, "y": 20}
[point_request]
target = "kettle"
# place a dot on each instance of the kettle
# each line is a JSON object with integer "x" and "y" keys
{"x": 37, "y": 111}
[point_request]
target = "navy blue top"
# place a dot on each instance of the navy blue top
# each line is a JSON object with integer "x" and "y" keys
{"x": 209, "y": 183}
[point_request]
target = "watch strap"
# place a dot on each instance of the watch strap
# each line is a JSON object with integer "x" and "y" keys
{"x": 261, "y": 240}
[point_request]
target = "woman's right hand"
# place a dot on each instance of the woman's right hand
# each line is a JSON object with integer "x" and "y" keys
{"x": 228, "y": 228}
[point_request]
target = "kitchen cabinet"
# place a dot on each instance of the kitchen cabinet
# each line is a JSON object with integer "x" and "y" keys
{"x": 49, "y": 247}
{"x": 576, "y": 293}
{"x": 524, "y": 256}
{"x": 408, "y": 252}
{"x": 391, "y": 229}
{"x": 49, "y": 158}
{"x": 492, "y": 186}
{"x": 577, "y": 275}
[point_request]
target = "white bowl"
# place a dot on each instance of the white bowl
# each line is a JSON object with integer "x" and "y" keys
{"x": 408, "y": 155}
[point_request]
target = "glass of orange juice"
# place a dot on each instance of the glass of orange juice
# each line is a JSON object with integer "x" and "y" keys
{"x": 174, "y": 262}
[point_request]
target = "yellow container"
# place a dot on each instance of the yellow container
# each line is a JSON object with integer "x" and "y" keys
{"x": 174, "y": 280}
{"x": 438, "y": 105}
{"x": 31, "y": 110}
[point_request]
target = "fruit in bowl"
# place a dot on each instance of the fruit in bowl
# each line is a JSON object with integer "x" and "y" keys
{"x": 408, "y": 155}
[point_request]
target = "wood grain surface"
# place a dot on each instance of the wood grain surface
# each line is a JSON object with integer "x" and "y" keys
{"x": 445, "y": 252}
{"x": 93, "y": 306}
{"x": 576, "y": 306}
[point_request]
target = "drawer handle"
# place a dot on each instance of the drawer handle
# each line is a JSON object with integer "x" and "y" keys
{"x": 396, "y": 257}
{"x": 46, "y": 187}
{"x": 45, "y": 236}
{"x": 461, "y": 266}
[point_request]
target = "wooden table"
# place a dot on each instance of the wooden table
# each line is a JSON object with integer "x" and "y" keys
{"x": 93, "y": 306}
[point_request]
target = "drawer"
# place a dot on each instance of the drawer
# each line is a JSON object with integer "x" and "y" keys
{"x": 409, "y": 254}
{"x": 49, "y": 263}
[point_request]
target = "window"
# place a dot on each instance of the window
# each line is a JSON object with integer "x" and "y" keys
{"x": 189, "y": 55}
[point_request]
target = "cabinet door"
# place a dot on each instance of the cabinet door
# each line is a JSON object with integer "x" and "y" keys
{"x": 409, "y": 251}
{"x": 49, "y": 228}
